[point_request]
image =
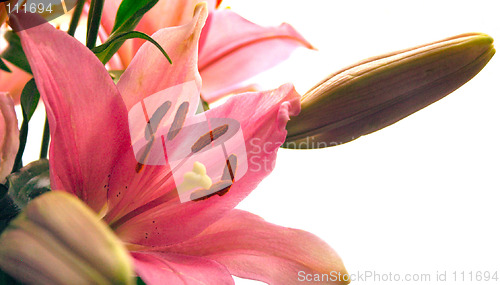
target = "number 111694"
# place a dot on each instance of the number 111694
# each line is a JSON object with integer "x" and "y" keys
{"x": 39, "y": 8}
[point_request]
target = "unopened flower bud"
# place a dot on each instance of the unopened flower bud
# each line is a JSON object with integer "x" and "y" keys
{"x": 59, "y": 240}
{"x": 380, "y": 91}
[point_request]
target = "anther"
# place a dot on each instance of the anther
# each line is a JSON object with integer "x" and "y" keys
{"x": 230, "y": 168}
{"x": 209, "y": 137}
{"x": 179, "y": 119}
{"x": 155, "y": 120}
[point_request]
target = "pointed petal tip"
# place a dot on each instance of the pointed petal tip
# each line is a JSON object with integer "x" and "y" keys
{"x": 297, "y": 36}
{"x": 141, "y": 79}
{"x": 201, "y": 11}
{"x": 200, "y": 6}
{"x": 235, "y": 49}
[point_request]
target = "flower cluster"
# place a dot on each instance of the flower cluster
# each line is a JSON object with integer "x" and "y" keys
{"x": 143, "y": 176}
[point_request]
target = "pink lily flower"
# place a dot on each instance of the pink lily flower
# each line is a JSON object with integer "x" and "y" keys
{"x": 231, "y": 50}
{"x": 9, "y": 135}
{"x": 91, "y": 156}
{"x": 13, "y": 82}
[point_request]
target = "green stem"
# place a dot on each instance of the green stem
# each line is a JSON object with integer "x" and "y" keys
{"x": 45, "y": 140}
{"x": 23, "y": 135}
{"x": 94, "y": 20}
{"x": 76, "y": 17}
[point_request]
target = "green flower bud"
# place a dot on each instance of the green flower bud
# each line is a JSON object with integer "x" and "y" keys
{"x": 59, "y": 240}
{"x": 380, "y": 91}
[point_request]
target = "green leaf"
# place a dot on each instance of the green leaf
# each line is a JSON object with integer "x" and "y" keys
{"x": 139, "y": 281}
{"x": 4, "y": 67}
{"x": 105, "y": 51}
{"x": 5, "y": 279}
{"x": 130, "y": 13}
{"x": 14, "y": 52}
{"x": 29, "y": 99}
{"x": 23, "y": 136}
{"x": 128, "y": 16}
{"x": 29, "y": 182}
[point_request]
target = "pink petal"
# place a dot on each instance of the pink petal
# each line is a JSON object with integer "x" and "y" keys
{"x": 166, "y": 220}
{"x": 164, "y": 14}
{"x": 14, "y": 81}
{"x": 169, "y": 14}
{"x": 132, "y": 182}
{"x": 87, "y": 116}
{"x": 235, "y": 49}
{"x": 164, "y": 268}
{"x": 150, "y": 72}
{"x": 9, "y": 134}
{"x": 252, "y": 248}
{"x": 109, "y": 14}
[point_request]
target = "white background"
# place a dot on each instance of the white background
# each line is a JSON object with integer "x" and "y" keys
{"x": 419, "y": 196}
{"x": 416, "y": 197}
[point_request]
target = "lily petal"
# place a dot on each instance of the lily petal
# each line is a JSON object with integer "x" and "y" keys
{"x": 164, "y": 14}
{"x": 165, "y": 220}
{"x": 169, "y": 14}
{"x": 235, "y": 49}
{"x": 14, "y": 81}
{"x": 108, "y": 16}
{"x": 87, "y": 116}
{"x": 9, "y": 134}
{"x": 149, "y": 72}
{"x": 164, "y": 268}
{"x": 252, "y": 248}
